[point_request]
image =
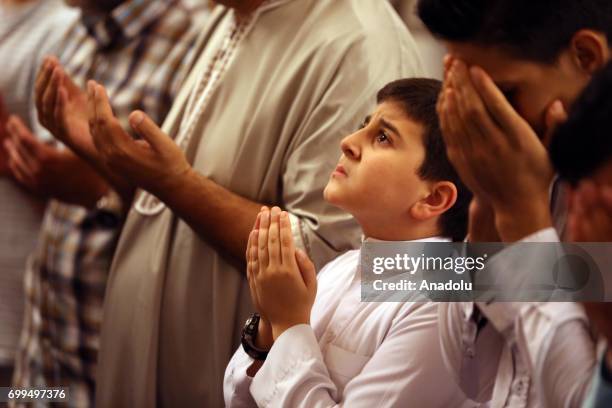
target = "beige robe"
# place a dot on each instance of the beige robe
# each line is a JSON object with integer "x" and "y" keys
{"x": 305, "y": 76}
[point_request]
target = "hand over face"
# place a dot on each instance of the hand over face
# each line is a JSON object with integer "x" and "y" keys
{"x": 62, "y": 107}
{"x": 154, "y": 163}
{"x": 590, "y": 213}
{"x": 495, "y": 151}
{"x": 49, "y": 172}
{"x": 282, "y": 279}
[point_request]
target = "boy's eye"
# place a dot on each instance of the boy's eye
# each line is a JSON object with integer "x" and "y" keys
{"x": 382, "y": 137}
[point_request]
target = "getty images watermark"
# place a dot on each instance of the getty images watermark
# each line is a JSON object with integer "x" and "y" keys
{"x": 449, "y": 272}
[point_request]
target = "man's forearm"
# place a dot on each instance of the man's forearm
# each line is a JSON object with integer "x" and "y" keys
{"x": 517, "y": 223}
{"x": 215, "y": 213}
{"x": 90, "y": 155}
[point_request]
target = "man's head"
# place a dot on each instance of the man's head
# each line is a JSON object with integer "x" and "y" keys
{"x": 394, "y": 176}
{"x": 95, "y": 6}
{"x": 537, "y": 51}
{"x": 582, "y": 146}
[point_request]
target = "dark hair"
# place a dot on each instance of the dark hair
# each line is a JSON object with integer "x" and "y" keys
{"x": 536, "y": 30}
{"x": 584, "y": 143}
{"x": 418, "y": 98}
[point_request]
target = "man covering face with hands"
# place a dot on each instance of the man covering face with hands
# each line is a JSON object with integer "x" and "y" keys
{"x": 514, "y": 69}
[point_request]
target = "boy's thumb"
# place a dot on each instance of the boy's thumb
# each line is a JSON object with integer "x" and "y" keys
{"x": 307, "y": 268}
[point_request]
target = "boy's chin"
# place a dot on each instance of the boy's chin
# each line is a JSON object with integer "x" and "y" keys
{"x": 332, "y": 196}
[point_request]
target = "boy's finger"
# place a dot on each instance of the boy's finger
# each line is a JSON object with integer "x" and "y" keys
{"x": 307, "y": 268}
{"x": 262, "y": 240}
{"x": 286, "y": 239}
{"x": 274, "y": 237}
{"x": 247, "y": 254}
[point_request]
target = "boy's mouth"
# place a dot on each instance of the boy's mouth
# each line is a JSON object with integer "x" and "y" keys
{"x": 340, "y": 171}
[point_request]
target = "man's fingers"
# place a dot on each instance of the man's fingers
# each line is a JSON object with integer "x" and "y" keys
{"x": 144, "y": 126}
{"x": 69, "y": 84}
{"x": 60, "y": 106}
{"x": 478, "y": 125}
{"x": 274, "y": 237}
{"x": 286, "y": 239}
{"x": 555, "y": 116}
{"x": 18, "y": 164}
{"x": 42, "y": 81}
{"x": 263, "y": 238}
{"x": 108, "y": 131}
{"x": 50, "y": 94}
{"x": 27, "y": 155}
{"x": 496, "y": 103}
{"x": 22, "y": 136}
{"x": 606, "y": 198}
{"x": 592, "y": 218}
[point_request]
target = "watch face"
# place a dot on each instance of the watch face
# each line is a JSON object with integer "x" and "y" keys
{"x": 248, "y": 322}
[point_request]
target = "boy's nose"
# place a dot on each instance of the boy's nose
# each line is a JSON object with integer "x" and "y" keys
{"x": 350, "y": 147}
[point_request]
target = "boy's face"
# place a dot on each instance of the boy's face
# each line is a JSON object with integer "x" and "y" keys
{"x": 377, "y": 176}
{"x": 529, "y": 86}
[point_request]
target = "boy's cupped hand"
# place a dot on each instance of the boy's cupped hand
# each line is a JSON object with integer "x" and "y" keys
{"x": 282, "y": 278}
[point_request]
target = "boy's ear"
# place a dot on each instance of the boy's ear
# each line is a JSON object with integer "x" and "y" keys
{"x": 590, "y": 50}
{"x": 443, "y": 195}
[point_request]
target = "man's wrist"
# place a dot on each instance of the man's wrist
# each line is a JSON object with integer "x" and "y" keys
{"x": 173, "y": 184}
{"x": 520, "y": 221}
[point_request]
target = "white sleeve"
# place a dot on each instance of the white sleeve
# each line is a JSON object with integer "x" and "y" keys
{"x": 557, "y": 340}
{"x": 236, "y": 382}
{"x": 406, "y": 370}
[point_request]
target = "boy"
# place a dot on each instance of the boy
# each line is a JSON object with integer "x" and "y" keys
{"x": 329, "y": 348}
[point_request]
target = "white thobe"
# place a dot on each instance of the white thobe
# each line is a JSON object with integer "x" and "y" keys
{"x": 354, "y": 354}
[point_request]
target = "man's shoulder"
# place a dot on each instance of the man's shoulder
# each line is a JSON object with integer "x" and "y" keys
{"x": 188, "y": 15}
{"x": 330, "y": 26}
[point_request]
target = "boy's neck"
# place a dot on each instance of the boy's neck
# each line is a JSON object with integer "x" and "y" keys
{"x": 400, "y": 231}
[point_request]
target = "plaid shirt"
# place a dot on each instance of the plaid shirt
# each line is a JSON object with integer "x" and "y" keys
{"x": 141, "y": 52}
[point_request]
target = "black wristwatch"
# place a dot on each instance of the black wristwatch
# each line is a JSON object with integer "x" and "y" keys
{"x": 249, "y": 332}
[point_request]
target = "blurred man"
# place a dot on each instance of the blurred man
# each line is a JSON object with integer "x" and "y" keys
{"x": 28, "y": 30}
{"x": 142, "y": 51}
{"x": 430, "y": 48}
{"x": 582, "y": 153}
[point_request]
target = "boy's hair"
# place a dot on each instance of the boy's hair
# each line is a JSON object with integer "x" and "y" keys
{"x": 418, "y": 99}
{"x": 584, "y": 143}
{"x": 536, "y": 30}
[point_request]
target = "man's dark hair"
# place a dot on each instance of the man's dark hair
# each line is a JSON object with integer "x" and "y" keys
{"x": 536, "y": 30}
{"x": 418, "y": 99}
{"x": 584, "y": 143}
